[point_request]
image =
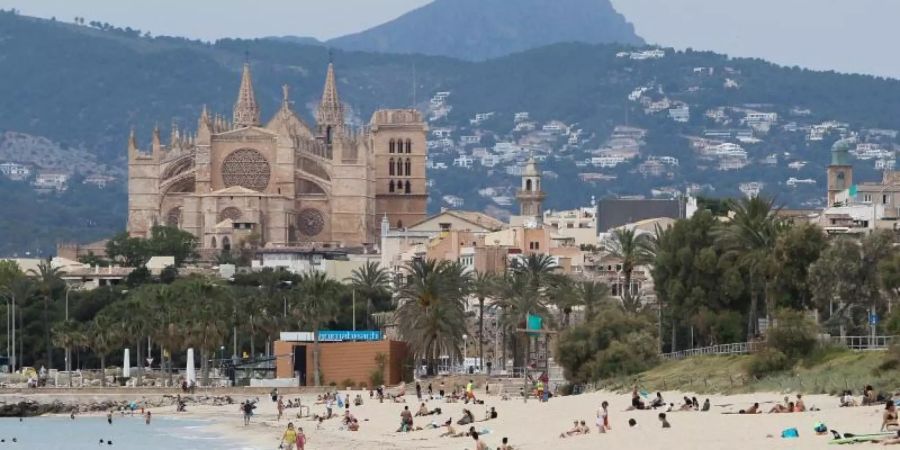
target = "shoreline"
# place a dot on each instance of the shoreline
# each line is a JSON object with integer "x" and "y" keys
{"x": 535, "y": 425}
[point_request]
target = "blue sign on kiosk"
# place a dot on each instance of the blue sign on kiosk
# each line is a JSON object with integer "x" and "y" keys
{"x": 340, "y": 335}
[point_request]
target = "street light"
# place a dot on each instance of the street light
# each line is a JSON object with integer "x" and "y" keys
{"x": 465, "y": 349}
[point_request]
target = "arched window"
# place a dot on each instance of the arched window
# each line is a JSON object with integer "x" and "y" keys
{"x": 399, "y": 167}
{"x": 391, "y": 167}
{"x": 408, "y": 167}
{"x": 391, "y": 146}
{"x": 226, "y": 244}
{"x": 213, "y": 242}
{"x": 400, "y": 224}
{"x": 528, "y": 185}
{"x": 408, "y": 146}
{"x": 391, "y": 186}
{"x": 407, "y": 187}
{"x": 328, "y": 135}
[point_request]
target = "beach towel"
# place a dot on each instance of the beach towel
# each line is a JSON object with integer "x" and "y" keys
{"x": 790, "y": 433}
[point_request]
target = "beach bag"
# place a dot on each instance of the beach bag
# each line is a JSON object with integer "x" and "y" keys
{"x": 790, "y": 433}
{"x": 820, "y": 427}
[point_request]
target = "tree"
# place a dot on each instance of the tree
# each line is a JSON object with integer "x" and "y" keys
{"x": 431, "y": 312}
{"x": 633, "y": 250}
{"x": 613, "y": 343}
{"x": 206, "y": 323}
{"x": 126, "y": 250}
{"x": 172, "y": 241}
{"x": 102, "y": 339}
{"x": 751, "y": 236}
{"x": 49, "y": 284}
{"x": 846, "y": 281}
{"x": 690, "y": 273}
{"x": 484, "y": 285}
{"x": 316, "y": 305}
{"x": 796, "y": 249}
{"x": 67, "y": 334}
{"x": 371, "y": 281}
{"x": 591, "y": 295}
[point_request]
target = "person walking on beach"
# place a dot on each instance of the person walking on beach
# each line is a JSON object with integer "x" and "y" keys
{"x": 289, "y": 438}
{"x": 280, "y": 407}
{"x": 247, "y": 409}
{"x": 470, "y": 392}
{"x": 301, "y": 439}
{"x": 603, "y": 418}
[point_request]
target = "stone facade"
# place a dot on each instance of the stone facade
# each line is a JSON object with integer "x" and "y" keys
{"x": 281, "y": 184}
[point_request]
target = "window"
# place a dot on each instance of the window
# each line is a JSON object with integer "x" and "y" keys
{"x": 408, "y": 189}
{"x": 883, "y": 198}
{"x": 408, "y": 146}
{"x": 444, "y": 226}
{"x": 226, "y": 244}
{"x": 391, "y": 146}
{"x": 408, "y": 167}
{"x": 391, "y": 186}
{"x": 391, "y": 167}
{"x": 537, "y": 245}
{"x": 213, "y": 242}
{"x": 400, "y": 224}
{"x": 867, "y": 197}
{"x": 399, "y": 167}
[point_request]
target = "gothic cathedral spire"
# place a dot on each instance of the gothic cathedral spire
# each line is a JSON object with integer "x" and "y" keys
{"x": 246, "y": 111}
{"x": 330, "y": 115}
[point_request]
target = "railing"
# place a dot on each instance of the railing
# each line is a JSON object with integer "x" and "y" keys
{"x": 738, "y": 348}
{"x": 863, "y": 343}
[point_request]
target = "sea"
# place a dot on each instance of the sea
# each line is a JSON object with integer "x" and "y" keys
{"x": 126, "y": 433}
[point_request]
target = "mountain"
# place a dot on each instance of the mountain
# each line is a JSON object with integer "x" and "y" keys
{"x": 302, "y": 40}
{"x": 482, "y": 29}
{"x": 79, "y": 90}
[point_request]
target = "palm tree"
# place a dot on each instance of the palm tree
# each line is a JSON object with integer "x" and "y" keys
{"x": 207, "y": 319}
{"x": 633, "y": 249}
{"x": 591, "y": 295}
{"x": 67, "y": 334}
{"x": 484, "y": 285}
{"x": 49, "y": 282}
{"x": 431, "y": 315}
{"x": 371, "y": 281}
{"x": 102, "y": 339}
{"x": 166, "y": 320}
{"x": 523, "y": 293}
{"x": 750, "y": 237}
{"x": 316, "y": 305}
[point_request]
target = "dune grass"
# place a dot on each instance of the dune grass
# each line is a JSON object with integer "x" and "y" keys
{"x": 827, "y": 371}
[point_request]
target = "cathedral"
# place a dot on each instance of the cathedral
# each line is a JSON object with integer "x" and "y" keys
{"x": 281, "y": 183}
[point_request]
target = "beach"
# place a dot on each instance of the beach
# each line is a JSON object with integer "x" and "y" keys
{"x": 535, "y": 425}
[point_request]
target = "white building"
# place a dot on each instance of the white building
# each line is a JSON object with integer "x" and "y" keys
{"x": 607, "y": 161}
{"x": 794, "y": 182}
{"x": 681, "y": 114}
{"x": 463, "y": 161}
{"x": 51, "y": 180}
{"x": 453, "y": 201}
{"x": 15, "y": 171}
{"x": 520, "y": 117}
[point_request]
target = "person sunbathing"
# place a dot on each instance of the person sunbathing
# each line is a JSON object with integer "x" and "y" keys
{"x": 658, "y": 401}
{"x": 751, "y": 410}
{"x": 782, "y": 409}
{"x": 353, "y": 425}
{"x": 687, "y": 406}
{"x": 847, "y": 400}
{"x": 423, "y": 411}
{"x": 889, "y": 418}
{"x": 575, "y": 430}
{"x": 705, "y": 406}
{"x": 891, "y": 440}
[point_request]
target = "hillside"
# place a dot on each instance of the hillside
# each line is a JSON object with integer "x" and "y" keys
{"x": 484, "y": 29}
{"x": 79, "y": 90}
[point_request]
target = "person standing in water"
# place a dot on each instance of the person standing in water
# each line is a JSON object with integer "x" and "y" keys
{"x": 147, "y": 417}
{"x": 109, "y": 417}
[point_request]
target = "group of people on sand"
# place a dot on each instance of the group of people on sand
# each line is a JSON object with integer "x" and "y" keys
{"x": 689, "y": 403}
{"x": 789, "y": 406}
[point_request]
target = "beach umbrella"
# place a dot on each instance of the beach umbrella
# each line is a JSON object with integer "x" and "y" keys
{"x": 190, "y": 374}
{"x": 126, "y": 365}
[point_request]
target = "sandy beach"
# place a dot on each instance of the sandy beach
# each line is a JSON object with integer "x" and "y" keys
{"x": 535, "y": 425}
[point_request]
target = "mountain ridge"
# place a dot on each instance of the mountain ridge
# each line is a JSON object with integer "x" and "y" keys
{"x": 484, "y": 29}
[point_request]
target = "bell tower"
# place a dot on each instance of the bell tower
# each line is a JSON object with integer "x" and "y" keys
{"x": 531, "y": 196}
{"x": 840, "y": 172}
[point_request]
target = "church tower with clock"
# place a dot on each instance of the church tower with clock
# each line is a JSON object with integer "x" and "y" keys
{"x": 282, "y": 183}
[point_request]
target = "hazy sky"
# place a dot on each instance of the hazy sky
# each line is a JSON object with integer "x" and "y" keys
{"x": 844, "y": 35}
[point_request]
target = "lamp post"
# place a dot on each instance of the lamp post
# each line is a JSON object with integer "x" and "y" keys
{"x": 465, "y": 351}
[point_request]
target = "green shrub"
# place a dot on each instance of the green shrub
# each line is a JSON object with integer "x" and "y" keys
{"x": 347, "y": 383}
{"x": 767, "y": 362}
{"x": 794, "y": 334}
